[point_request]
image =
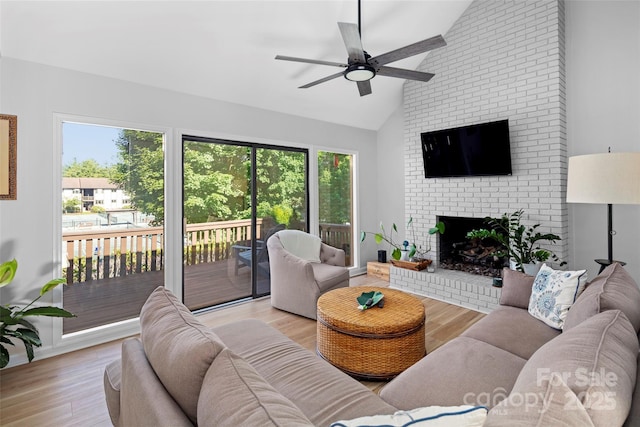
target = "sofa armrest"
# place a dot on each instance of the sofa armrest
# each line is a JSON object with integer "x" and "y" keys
{"x": 112, "y": 379}
{"x": 143, "y": 399}
{"x": 332, "y": 256}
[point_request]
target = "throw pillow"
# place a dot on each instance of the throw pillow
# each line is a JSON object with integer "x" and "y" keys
{"x": 179, "y": 348}
{"x": 432, "y": 416}
{"x": 613, "y": 289}
{"x": 553, "y": 293}
{"x": 235, "y": 394}
{"x": 516, "y": 288}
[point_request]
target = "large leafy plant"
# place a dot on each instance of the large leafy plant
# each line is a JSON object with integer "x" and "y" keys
{"x": 519, "y": 242}
{"x": 397, "y": 248}
{"x": 13, "y": 322}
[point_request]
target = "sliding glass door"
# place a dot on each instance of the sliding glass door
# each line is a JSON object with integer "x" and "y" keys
{"x": 236, "y": 195}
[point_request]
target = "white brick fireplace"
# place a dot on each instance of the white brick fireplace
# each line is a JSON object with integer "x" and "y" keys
{"x": 503, "y": 60}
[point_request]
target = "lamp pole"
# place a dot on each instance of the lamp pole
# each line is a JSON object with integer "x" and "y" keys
{"x": 611, "y": 232}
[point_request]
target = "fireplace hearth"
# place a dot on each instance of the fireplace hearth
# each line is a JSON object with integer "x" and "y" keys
{"x": 475, "y": 256}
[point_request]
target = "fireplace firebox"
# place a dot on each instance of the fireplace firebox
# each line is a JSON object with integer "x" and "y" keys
{"x": 475, "y": 256}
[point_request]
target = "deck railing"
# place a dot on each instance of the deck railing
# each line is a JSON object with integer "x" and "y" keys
{"x": 102, "y": 254}
{"x": 97, "y": 254}
{"x": 338, "y": 236}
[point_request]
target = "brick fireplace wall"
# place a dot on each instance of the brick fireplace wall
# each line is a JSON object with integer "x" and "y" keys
{"x": 503, "y": 60}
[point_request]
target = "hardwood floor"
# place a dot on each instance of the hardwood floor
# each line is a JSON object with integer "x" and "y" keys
{"x": 67, "y": 390}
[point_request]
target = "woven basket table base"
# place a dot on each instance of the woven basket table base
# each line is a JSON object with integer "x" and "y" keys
{"x": 373, "y": 344}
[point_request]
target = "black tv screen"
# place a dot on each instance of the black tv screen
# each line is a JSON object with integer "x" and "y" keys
{"x": 476, "y": 150}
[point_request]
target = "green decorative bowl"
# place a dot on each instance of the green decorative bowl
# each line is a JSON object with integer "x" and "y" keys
{"x": 369, "y": 299}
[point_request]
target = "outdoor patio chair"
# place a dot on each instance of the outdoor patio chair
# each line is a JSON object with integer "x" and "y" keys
{"x": 242, "y": 253}
{"x": 302, "y": 269}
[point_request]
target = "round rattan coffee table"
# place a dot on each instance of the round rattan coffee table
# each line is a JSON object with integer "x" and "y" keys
{"x": 373, "y": 344}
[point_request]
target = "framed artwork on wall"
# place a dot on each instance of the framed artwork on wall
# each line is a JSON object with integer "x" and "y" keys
{"x": 8, "y": 156}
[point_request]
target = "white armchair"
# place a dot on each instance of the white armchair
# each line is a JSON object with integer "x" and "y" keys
{"x": 298, "y": 280}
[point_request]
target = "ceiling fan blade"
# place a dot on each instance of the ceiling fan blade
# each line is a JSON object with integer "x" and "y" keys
{"x": 401, "y": 73}
{"x": 364, "y": 88}
{"x": 322, "y": 80}
{"x": 310, "y": 61}
{"x": 411, "y": 50}
{"x": 351, "y": 37}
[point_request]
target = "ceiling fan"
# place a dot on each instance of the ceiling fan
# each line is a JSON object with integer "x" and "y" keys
{"x": 362, "y": 67}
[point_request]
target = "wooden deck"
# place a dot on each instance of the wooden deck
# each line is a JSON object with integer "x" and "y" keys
{"x": 105, "y": 301}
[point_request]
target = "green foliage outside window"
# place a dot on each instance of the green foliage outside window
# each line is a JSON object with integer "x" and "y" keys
{"x": 334, "y": 186}
{"x": 217, "y": 180}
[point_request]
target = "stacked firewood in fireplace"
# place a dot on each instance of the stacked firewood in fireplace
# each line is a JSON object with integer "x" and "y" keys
{"x": 475, "y": 256}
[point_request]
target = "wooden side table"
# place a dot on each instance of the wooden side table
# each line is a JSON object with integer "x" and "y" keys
{"x": 379, "y": 270}
{"x": 373, "y": 344}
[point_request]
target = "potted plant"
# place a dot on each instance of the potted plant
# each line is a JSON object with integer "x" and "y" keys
{"x": 412, "y": 250}
{"x": 521, "y": 243}
{"x": 418, "y": 252}
{"x": 13, "y": 322}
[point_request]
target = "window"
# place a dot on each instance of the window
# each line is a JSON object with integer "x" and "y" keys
{"x": 112, "y": 260}
{"x": 335, "y": 201}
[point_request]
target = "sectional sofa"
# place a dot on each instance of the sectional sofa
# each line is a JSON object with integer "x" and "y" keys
{"x": 509, "y": 368}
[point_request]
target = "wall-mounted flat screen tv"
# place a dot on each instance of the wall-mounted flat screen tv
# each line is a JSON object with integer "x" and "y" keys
{"x": 476, "y": 150}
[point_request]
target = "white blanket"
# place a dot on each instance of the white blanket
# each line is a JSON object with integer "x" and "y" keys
{"x": 301, "y": 244}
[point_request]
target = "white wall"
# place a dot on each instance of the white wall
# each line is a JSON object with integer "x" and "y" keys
{"x": 389, "y": 184}
{"x": 35, "y": 93}
{"x": 603, "y": 110}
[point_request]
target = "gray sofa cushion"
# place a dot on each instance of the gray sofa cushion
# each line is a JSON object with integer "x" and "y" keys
{"x": 179, "y": 348}
{"x": 613, "y": 289}
{"x": 513, "y": 330}
{"x": 556, "y": 405}
{"x": 633, "y": 420}
{"x": 516, "y": 288}
{"x": 234, "y": 394}
{"x": 463, "y": 371}
{"x": 596, "y": 359}
{"x": 322, "y": 392}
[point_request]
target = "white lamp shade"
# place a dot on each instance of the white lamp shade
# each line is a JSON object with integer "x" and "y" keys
{"x": 611, "y": 178}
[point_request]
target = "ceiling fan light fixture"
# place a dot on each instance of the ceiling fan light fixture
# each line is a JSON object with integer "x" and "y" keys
{"x": 359, "y": 72}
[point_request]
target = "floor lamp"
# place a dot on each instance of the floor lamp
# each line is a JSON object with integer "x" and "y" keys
{"x": 606, "y": 178}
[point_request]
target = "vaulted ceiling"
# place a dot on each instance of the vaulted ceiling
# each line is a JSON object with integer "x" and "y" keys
{"x": 225, "y": 50}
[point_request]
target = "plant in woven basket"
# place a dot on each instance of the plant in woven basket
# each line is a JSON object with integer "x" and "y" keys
{"x": 13, "y": 322}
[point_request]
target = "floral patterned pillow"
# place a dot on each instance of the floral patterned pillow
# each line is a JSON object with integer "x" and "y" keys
{"x": 553, "y": 294}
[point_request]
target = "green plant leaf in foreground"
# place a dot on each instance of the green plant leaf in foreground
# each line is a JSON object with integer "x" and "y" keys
{"x": 51, "y": 284}
{"x": 8, "y": 272}
{"x": 4, "y": 356}
{"x": 47, "y": 311}
{"x": 13, "y": 324}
